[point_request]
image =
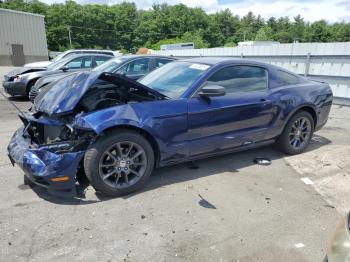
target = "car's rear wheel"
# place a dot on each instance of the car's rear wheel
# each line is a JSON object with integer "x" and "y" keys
{"x": 119, "y": 163}
{"x": 297, "y": 134}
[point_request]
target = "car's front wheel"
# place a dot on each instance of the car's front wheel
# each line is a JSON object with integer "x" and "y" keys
{"x": 119, "y": 163}
{"x": 297, "y": 133}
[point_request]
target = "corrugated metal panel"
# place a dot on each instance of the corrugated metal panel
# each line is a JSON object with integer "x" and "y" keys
{"x": 327, "y": 61}
{"x": 22, "y": 28}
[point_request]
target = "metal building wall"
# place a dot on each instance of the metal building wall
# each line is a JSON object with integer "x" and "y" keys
{"x": 25, "y": 29}
{"x": 326, "y": 61}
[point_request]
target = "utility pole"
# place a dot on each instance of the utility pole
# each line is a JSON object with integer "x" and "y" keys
{"x": 69, "y": 36}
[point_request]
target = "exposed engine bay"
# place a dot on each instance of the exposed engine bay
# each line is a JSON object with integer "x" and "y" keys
{"x": 56, "y": 133}
{"x": 105, "y": 94}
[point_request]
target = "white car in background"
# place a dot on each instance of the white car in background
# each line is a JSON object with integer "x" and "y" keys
{"x": 44, "y": 64}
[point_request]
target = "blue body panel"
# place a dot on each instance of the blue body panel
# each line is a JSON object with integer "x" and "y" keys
{"x": 190, "y": 127}
{"x": 41, "y": 165}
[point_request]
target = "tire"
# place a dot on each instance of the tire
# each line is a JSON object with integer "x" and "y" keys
{"x": 111, "y": 157}
{"x": 27, "y": 182}
{"x": 287, "y": 141}
{"x": 30, "y": 86}
{"x": 34, "y": 91}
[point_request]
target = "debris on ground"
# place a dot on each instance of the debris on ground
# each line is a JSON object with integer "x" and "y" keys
{"x": 205, "y": 203}
{"x": 307, "y": 181}
{"x": 299, "y": 245}
{"x": 263, "y": 161}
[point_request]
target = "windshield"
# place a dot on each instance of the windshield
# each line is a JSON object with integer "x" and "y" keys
{"x": 57, "y": 65}
{"x": 109, "y": 66}
{"x": 60, "y": 56}
{"x": 175, "y": 78}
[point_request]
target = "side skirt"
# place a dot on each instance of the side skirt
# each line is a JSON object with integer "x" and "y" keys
{"x": 219, "y": 153}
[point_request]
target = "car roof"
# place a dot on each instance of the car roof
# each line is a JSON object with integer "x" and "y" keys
{"x": 146, "y": 56}
{"x": 79, "y": 55}
{"x": 224, "y": 60}
{"x": 89, "y": 50}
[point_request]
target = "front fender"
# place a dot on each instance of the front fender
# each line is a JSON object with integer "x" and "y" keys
{"x": 164, "y": 121}
{"x": 99, "y": 121}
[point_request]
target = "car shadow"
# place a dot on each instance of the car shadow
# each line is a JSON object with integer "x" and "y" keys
{"x": 179, "y": 173}
{"x": 18, "y": 98}
{"x": 213, "y": 166}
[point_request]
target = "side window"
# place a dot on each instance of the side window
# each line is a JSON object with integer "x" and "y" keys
{"x": 285, "y": 79}
{"x": 87, "y": 62}
{"x": 240, "y": 79}
{"x": 161, "y": 61}
{"x": 100, "y": 60}
{"x": 75, "y": 63}
{"x": 136, "y": 67}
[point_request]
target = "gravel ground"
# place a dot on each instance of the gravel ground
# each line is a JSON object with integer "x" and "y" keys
{"x": 227, "y": 210}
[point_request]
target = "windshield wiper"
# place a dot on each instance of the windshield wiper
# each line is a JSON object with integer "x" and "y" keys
{"x": 162, "y": 92}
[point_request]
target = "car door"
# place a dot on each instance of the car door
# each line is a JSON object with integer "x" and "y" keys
{"x": 79, "y": 63}
{"x": 135, "y": 68}
{"x": 239, "y": 118}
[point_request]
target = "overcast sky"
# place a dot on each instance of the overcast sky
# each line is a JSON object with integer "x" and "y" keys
{"x": 311, "y": 10}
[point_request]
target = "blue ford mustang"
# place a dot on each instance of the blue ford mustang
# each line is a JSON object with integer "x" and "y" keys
{"x": 116, "y": 131}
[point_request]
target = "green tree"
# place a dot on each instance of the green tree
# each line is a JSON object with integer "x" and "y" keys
{"x": 122, "y": 26}
{"x": 265, "y": 33}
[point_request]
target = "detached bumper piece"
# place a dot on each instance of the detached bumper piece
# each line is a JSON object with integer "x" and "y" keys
{"x": 55, "y": 171}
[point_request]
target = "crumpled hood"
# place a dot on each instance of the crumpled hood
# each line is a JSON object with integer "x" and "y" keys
{"x": 23, "y": 70}
{"x": 65, "y": 94}
{"x": 62, "y": 96}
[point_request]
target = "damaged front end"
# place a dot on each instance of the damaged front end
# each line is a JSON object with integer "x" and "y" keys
{"x": 49, "y": 151}
{"x": 50, "y": 145}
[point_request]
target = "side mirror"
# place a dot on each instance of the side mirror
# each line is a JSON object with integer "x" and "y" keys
{"x": 213, "y": 90}
{"x": 64, "y": 68}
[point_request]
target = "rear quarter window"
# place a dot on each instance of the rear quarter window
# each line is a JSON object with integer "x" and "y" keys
{"x": 285, "y": 79}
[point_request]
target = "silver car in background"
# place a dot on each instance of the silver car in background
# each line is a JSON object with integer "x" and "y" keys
{"x": 68, "y": 53}
{"x": 20, "y": 81}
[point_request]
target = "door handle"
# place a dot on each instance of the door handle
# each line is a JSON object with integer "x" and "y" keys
{"x": 264, "y": 101}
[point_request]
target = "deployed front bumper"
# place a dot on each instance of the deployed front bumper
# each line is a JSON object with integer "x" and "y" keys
{"x": 40, "y": 165}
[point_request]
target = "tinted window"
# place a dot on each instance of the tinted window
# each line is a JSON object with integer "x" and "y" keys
{"x": 87, "y": 62}
{"x": 136, "y": 67}
{"x": 101, "y": 59}
{"x": 285, "y": 79}
{"x": 75, "y": 63}
{"x": 109, "y": 66}
{"x": 240, "y": 79}
{"x": 161, "y": 61}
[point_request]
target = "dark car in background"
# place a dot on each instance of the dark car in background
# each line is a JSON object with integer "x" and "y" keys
{"x": 132, "y": 66}
{"x": 20, "y": 81}
{"x": 116, "y": 130}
